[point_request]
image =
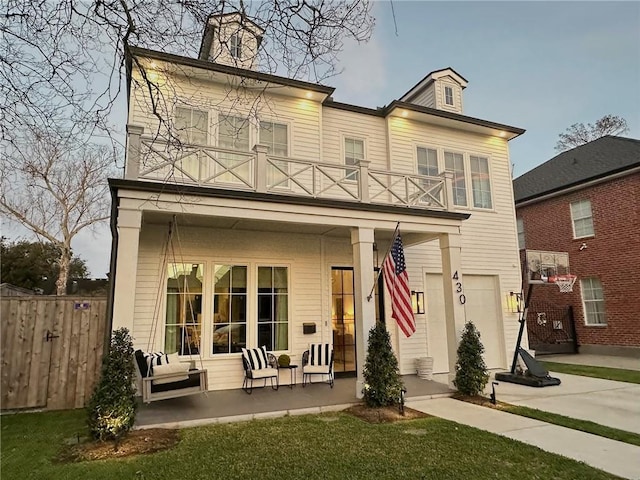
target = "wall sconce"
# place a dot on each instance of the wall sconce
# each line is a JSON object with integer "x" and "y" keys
{"x": 514, "y": 302}
{"x": 417, "y": 301}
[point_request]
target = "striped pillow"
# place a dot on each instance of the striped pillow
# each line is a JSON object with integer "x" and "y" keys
{"x": 159, "y": 358}
{"x": 256, "y": 357}
{"x": 319, "y": 354}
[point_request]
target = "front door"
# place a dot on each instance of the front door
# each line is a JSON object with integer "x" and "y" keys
{"x": 343, "y": 321}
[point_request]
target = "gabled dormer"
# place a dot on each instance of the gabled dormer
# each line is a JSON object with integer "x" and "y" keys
{"x": 441, "y": 89}
{"x": 231, "y": 39}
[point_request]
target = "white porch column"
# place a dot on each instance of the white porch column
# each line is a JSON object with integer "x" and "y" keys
{"x": 128, "y": 226}
{"x": 450, "y": 249}
{"x": 365, "y": 310}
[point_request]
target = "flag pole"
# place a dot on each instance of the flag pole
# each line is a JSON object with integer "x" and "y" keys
{"x": 375, "y": 282}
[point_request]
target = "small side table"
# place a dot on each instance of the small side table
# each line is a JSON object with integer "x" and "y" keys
{"x": 292, "y": 369}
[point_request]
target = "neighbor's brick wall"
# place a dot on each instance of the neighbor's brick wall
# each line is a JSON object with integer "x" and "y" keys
{"x": 612, "y": 255}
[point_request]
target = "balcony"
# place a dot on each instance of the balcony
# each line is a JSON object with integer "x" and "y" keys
{"x": 153, "y": 159}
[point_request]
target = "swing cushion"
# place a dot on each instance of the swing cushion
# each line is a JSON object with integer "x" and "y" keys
{"x": 178, "y": 371}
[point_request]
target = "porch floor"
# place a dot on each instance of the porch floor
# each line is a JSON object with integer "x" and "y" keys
{"x": 236, "y": 405}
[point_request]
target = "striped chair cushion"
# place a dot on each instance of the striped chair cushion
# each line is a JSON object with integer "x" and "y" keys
{"x": 256, "y": 357}
{"x": 319, "y": 354}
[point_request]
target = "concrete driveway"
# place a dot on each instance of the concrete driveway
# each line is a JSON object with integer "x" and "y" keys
{"x": 614, "y": 404}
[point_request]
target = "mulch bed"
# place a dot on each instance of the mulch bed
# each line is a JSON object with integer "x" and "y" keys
{"x": 384, "y": 414}
{"x": 135, "y": 442}
{"x": 482, "y": 401}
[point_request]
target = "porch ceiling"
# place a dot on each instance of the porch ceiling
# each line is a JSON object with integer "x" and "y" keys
{"x": 225, "y": 223}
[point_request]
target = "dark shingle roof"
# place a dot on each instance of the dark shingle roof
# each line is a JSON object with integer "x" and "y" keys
{"x": 597, "y": 159}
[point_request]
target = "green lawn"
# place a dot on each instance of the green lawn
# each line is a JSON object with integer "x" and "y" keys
{"x": 329, "y": 446}
{"x": 618, "y": 374}
{"x": 576, "y": 424}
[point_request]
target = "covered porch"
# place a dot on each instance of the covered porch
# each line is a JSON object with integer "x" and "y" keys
{"x": 235, "y": 405}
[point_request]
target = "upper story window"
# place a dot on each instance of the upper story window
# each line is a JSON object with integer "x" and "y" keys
{"x": 448, "y": 95}
{"x": 191, "y": 125}
{"x": 582, "y": 219}
{"x": 427, "y": 162}
{"x": 480, "y": 181}
{"x": 520, "y": 227}
{"x": 454, "y": 162}
{"x": 593, "y": 301}
{"x": 353, "y": 153}
{"x": 233, "y": 132}
{"x": 275, "y": 137}
{"x": 236, "y": 46}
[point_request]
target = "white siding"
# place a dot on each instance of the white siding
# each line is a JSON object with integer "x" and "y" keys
{"x": 338, "y": 124}
{"x": 457, "y": 106}
{"x": 426, "y": 98}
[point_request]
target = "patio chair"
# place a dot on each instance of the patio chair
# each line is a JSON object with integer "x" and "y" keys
{"x": 318, "y": 360}
{"x": 258, "y": 364}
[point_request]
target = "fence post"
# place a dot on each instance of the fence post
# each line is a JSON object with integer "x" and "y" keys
{"x": 132, "y": 166}
{"x": 261, "y": 168}
{"x": 449, "y": 204}
{"x": 363, "y": 177}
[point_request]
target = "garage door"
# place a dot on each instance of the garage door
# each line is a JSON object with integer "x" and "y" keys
{"x": 482, "y": 308}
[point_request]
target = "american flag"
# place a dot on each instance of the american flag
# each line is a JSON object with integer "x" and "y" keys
{"x": 397, "y": 281}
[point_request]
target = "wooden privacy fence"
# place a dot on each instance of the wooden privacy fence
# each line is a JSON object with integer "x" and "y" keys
{"x": 51, "y": 350}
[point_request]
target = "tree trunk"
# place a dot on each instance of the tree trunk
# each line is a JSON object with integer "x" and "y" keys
{"x": 64, "y": 262}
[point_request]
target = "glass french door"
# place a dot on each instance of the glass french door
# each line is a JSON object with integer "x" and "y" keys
{"x": 343, "y": 321}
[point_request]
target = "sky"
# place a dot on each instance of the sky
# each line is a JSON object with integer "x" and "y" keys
{"x": 540, "y": 66}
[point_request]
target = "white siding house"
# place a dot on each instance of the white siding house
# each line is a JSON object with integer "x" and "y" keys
{"x": 276, "y": 205}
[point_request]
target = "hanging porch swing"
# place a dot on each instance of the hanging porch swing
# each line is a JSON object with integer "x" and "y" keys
{"x": 160, "y": 375}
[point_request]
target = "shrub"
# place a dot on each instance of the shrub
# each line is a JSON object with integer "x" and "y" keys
{"x": 471, "y": 371}
{"x": 112, "y": 407}
{"x": 284, "y": 360}
{"x": 382, "y": 378}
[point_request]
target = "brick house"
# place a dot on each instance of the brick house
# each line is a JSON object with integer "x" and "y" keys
{"x": 586, "y": 202}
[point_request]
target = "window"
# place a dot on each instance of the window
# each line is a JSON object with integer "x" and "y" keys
{"x": 273, "y": 308}
{"x": 427, "y": 162}
{"x": 353, "y": 153}
{"x": 454, "y": 162}
{"x": 191, "y": 125}
{"x": 582, "y": 219}
{"x": 236, "y": 46}
{"x": 229, "y": 308}
{"x": 448, "y": 95}
{"x": 275, "y": 137}
{"x": 593, "y": 301}
{"x": 480, "y": 181}
{"x": 233, "y": 134}
{"x": 520, "y": 227}
{"x": 183, "y": 327}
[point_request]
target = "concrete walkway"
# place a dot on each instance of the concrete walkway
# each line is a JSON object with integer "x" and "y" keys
{"x": 611, "y": 456}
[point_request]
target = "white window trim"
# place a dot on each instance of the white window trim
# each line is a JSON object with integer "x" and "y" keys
{"x": 491, "y": 186}
{"x": 347, "y": 136}
{"x": 254, "y": 302}
{"x": 584, "y": 306}
{"x": 573, "y": 220}
{"x": 444, "y": 95}
{"x": 520, "y": 221}
{"x": 201, "y": 109}
{"x": 439, "y": 156}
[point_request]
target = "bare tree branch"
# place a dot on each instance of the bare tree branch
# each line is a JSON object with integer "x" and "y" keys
{"x": 577, "y": 134}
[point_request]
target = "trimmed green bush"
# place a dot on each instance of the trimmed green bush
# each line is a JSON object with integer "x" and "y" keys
{"x": 471, "y": 371}
{"x": 112, "y": 407}
{"x": 382, "y": 377}
{"x": 284, "y": 360}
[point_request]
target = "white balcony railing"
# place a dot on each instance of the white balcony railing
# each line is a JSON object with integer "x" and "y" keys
{"x": 203, "y": 165}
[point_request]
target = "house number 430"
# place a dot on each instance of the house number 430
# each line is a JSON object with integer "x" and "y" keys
{"x": 461, "y": 297}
